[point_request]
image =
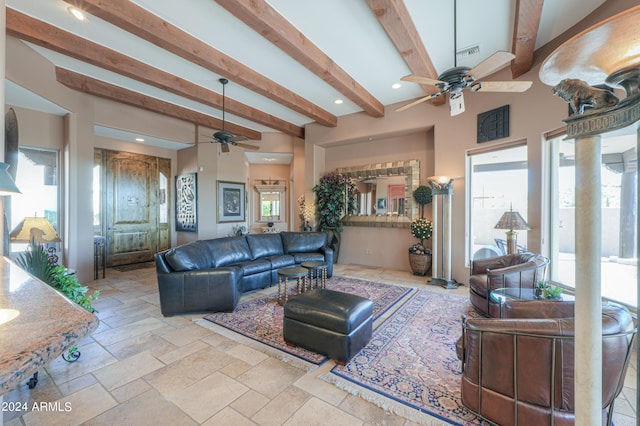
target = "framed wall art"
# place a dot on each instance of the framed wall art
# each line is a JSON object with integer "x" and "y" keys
{"x": 186, "y": 203}
{"x": 231, "y": 202}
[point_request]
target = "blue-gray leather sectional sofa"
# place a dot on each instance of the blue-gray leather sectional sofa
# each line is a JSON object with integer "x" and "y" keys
{"x": 210, "y": 275}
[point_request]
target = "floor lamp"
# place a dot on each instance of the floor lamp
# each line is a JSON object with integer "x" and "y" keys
{"x": 442, "y": 190}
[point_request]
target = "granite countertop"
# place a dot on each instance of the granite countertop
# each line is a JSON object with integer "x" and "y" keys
{"x": 46, "y": 325}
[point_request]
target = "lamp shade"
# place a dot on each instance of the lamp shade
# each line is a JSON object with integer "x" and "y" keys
{"x": 7, "y": 185}
{"x": 513, "y": 221}
{"x": 38, "y": 228}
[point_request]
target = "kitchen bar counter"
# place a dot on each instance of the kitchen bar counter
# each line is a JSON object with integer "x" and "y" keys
{"x": 37, "y": 324}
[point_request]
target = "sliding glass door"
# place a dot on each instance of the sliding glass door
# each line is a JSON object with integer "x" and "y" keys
{"x": 619, "y": 214}
{"x": 497, "y": 182}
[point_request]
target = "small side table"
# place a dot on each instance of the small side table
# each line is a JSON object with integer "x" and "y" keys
{"x": 318, "y": 271}
{"x": 99, "y": 247}
{"x": 284, "y": 274}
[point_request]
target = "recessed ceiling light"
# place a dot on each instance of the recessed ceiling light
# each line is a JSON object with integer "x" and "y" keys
{"x": 139, "y": 139}
{"x": 396, "y": 86}
{"x": 76, "y": 13}
{"x": 338, "y": 101}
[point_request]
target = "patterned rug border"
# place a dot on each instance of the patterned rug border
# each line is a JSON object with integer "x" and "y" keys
{"x": 383, "y": 400}
{"x": 290, "y": 357}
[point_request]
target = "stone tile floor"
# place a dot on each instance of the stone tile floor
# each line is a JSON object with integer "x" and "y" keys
{"x": 139, "y": 368}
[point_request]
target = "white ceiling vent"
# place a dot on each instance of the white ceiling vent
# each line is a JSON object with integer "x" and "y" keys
{"x": 468, "y": 51}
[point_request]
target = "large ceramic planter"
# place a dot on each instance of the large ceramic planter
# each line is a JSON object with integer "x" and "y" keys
{"x": 420, "y": 263}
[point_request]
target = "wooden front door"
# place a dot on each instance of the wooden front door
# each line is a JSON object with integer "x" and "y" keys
{"x": 135, "y": 226}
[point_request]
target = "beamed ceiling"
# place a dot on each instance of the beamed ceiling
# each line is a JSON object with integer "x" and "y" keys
{"x": 287, "y": 61}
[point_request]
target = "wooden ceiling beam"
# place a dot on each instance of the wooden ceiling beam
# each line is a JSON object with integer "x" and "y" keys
{"x": 525, "y": 32}
{"x": 136, "y": 20}
{"x": 396, "y": 21}
{"x": 42, "y": 34}
{"x": 92, "y": 86}
{"x": 266, "y": 21}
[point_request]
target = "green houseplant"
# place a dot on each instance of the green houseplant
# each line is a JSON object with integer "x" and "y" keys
{"x": 335, "y": 198}
{"x": 36, "y": 261}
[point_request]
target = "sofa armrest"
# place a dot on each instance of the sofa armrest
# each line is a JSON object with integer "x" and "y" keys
{"x": 480, "y": 266}
{"x": 538, "y": 309}
{"x": 524, "y": 275}
{"x": 205, "y": 290}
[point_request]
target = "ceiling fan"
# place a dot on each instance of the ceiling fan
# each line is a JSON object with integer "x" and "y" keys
{"x": 454, "y": 80}
{"x": 225, "y": 138}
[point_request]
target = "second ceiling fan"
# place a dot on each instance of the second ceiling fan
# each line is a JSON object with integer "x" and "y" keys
{"x": 455, "y": 80}
{"x": 225, "y": 138}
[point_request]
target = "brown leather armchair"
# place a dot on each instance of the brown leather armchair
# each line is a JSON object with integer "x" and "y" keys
{"x": 523, "y": 270}
{"x": 520, "y": 370}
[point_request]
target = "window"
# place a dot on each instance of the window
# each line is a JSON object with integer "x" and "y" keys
{"x": 498, "y": 181}
{"x": 619, "y": 211}
{"x": 37, "y": 177}
{"x": 270, "y": 203}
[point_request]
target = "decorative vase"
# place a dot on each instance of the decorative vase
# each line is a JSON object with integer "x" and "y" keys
{"x": 307, "y": 227}
{"x": 420, "y": 263}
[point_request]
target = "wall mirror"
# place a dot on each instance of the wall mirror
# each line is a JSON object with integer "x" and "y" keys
{"x": 385, "y": 193}
{"x": 270, "y": 203}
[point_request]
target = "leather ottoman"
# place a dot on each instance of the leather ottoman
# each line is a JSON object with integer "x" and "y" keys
{"x": 329, "y": 322}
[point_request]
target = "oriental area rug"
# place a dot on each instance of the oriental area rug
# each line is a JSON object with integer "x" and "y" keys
{"x": 259, "y": 319}
{"x": 410, "y": 365}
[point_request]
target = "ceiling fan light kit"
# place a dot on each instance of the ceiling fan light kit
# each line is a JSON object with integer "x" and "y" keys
{"x": 454, "y": 80}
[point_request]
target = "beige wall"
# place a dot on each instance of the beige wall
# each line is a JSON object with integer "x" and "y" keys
{"x": 531, "y": 115}
{"x": 424, "y": 132}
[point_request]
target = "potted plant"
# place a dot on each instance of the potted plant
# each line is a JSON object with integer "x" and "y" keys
{"x": 421, "y": 228}
{"x": 37, "y": 262}
{"x": 306, "y": 212}
{"x": 419, "y": 255}
{"x": 335, "y": 198}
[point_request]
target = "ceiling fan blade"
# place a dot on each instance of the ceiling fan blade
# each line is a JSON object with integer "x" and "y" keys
{"x": 503, "y": 86}
{"x": 419, "y": 101}
{"x": 238, "y": 138}
{"x": 224, "y": 147}
{"x": 492, "y": 64}
{"x": 422, "y": 80}
{"x": 247, "y": 146}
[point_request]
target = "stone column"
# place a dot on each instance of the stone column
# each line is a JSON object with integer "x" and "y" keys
{"x": 435, "y": 249}
{"x": 446, "y": 225}
{"x": 588, "y": 305}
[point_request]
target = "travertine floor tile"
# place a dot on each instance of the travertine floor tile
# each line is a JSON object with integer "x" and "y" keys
{"x": 320, "y": 388}
{"x": 318, "y": 412}
{"x": 281, "y": 407}
{"x": 188, "y": 370}
{"x": 270, "y": 377}
{"x": 93, "y": 357}
{"x": 74, "y": 409}
{"x": 149, "y": 408}
{"x": 126, "y": 332}
{"x": 248, "y": 355}
{"x": 228, "y": 416}
{"x": 250, "y": 403}
{"x": 205, "y": 398}
{"x": 127, "y": 370}
{"x": 185, "y": 335}
{"x": 130, "y": 390}
{"x": 145, "y": 369}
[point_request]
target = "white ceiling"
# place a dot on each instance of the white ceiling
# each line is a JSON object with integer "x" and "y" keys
{"x": 345, "y": 30}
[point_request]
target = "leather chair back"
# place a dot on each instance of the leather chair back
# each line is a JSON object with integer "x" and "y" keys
{"x": 521, "y": 370}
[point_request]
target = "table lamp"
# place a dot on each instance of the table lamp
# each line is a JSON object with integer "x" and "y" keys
{"x": 513, "y": 222}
